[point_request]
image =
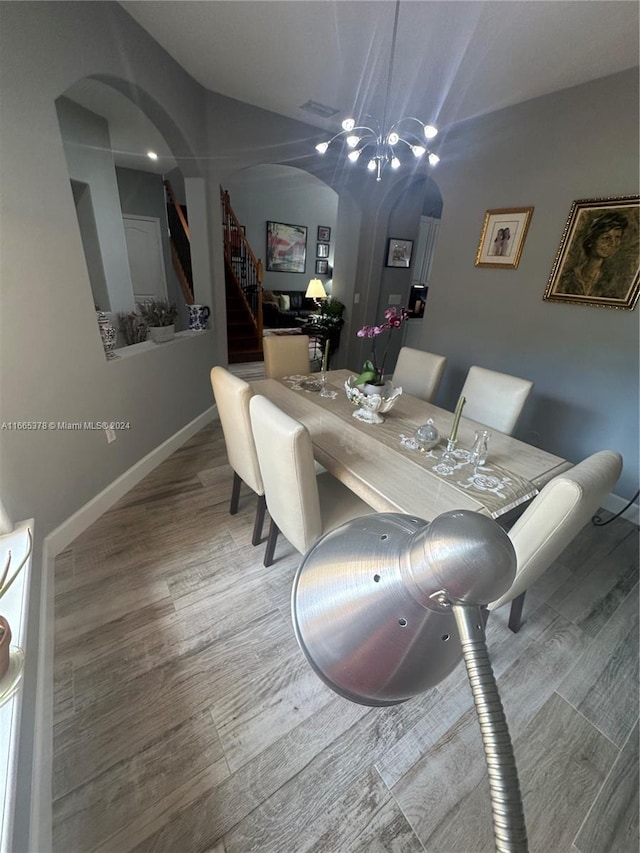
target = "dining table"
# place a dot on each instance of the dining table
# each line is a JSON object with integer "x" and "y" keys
{"x": 384, "y": 466}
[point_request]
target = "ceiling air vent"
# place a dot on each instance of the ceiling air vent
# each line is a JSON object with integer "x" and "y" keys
{"x": 319, "y": 109}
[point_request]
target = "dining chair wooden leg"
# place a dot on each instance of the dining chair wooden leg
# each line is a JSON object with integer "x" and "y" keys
{"x": 259, "y": 522}
{"x": 235, "y": 494}
{"x": 271, "y": 543}
{"x": 515, "y": 614}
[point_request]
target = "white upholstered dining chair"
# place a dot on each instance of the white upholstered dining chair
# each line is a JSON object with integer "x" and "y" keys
{"x": 303, "y": 505}
{"x": 554, "y": 519}
{"x": 495, "y": 399}
{"x": 419, "y": 372}
{"x": 286, "y": 355}
{"x": 232, "y": 397}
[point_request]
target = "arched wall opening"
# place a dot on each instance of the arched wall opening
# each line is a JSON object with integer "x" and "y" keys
{"x": 396, "y": 215}
{"x": 107, "y": 126}
{"x": 286, "y": 194}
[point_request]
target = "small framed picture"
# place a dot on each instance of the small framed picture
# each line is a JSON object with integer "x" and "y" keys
{"x": 503, "y": 235}
{"x": 597, "y": 261}
{"x": 324, "y": 234}
{"x": 399, "y": 253}
{"x": 322, "y": 267}
{"x": 322, "y": 250}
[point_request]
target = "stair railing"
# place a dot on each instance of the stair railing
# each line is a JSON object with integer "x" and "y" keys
{"x": 246, "y": 270}
{"x": 180, "y": 239}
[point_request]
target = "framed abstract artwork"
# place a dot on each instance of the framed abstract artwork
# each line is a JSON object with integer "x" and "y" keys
{"x": 597, "y": 262}
{"x": 286, "y": 247}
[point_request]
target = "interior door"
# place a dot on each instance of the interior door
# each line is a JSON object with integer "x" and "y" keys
{"x": 146, "y": 260}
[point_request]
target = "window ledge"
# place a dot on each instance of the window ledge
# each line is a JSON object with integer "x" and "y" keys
{"x": 148, "y": 346}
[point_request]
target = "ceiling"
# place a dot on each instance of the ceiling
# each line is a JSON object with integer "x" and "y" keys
{"x": 454, "y": 58}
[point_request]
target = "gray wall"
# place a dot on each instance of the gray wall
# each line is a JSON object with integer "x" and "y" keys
{"x": 576, "y": 144}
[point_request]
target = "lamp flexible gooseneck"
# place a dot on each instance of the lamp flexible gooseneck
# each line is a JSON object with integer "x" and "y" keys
{"x": 385, "y": 607}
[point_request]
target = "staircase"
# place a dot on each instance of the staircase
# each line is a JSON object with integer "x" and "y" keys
{"x": 243, "y": 287}
{"x": 180, "y": 240}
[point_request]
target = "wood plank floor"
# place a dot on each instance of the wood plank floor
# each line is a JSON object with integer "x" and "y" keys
{"x": 187, "y": 720}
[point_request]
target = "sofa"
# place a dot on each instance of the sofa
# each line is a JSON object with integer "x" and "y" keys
{"x": 283, "y": 309}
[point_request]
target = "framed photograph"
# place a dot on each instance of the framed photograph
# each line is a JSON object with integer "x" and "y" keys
{"x": 324, "y": 233}
{"x": 322, "y": 250}
{"x": 399, "y": 253}
{"x": 597, "y": 261}
{"x": 503, "y": 234}
{"x": 286, "y": 247}
{"x": 322, "y": 267}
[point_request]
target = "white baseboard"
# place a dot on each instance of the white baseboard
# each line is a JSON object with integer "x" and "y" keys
{"x": 76, "y": 524}
{"x": 40, "y": 829}
{"x": 615, "y": 504}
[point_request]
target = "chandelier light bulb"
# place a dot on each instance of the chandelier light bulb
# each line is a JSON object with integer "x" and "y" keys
{"x": 374, "y": 138}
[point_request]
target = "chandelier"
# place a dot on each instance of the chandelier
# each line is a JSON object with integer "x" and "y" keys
{"x": 382, "y": 144}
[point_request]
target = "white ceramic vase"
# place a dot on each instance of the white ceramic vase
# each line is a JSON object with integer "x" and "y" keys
{"x": 371, "y": 406}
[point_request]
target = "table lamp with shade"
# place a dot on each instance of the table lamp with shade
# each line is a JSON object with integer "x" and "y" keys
{"x": 316, "y": 291}
{"x": 384, "y": 607}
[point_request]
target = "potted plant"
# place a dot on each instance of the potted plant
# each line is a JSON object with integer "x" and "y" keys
{"x": 329, "y": 321}
{"x": 5, "y": 629}
{"x": 133, "y": 327}
{"x": 373, "y": 368}
{"x": 159, "y": 315}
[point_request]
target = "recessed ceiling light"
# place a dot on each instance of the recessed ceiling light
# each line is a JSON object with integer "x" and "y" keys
{"x": 152, "y": 155}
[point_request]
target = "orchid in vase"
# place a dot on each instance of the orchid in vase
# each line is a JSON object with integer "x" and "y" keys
{"x": 373, "y": 369}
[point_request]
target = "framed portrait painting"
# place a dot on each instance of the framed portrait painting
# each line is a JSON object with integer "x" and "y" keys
{"x": 324, "y": 233}
{"x": 504, "y": 231}
{"x": 286, "y": 247}
{"x": 597, "y": 261}
{"x": 399, "y": 253}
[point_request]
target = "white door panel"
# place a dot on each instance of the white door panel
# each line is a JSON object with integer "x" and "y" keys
{"x": 146, "y": 260}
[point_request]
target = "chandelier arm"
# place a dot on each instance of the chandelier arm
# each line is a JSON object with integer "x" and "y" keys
{"x": 406, "y": 118}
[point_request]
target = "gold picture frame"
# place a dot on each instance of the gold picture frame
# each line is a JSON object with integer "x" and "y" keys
{"x": 597, "y": 261}
{"x": 504, "y": 231}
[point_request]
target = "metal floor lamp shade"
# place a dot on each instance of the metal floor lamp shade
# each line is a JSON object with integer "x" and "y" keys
{"x": 385, "y": 607}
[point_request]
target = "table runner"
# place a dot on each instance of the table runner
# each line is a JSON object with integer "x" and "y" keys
{"x": 495, "y": 487}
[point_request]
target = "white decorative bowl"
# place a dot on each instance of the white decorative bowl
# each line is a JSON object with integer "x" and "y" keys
{"x": 371, "y": 406}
